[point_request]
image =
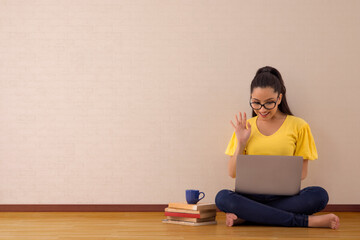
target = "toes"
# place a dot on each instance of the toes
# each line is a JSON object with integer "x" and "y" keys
{"x": 335, "y": 223}
{"x": 233, "y": 216}
{"x": 230, "y": 217}
{"x": 229, "y": 223}
{"x": 233, "y": 220}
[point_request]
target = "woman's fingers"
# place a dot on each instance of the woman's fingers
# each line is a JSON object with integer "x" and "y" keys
{"x": 232, "y": 124}
{"x": 241, "y": 120}
{"x": 244, "y": 120}
{"x": 237, "y": 119}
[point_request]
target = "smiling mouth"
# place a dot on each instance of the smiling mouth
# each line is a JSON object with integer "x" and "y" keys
{"x": 264, "y": 115}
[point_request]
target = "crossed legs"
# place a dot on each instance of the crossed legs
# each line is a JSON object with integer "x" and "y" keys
{"x": 290, "y": 211}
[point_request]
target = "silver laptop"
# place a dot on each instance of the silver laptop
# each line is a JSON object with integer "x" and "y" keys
{"x": 274, "y": 175}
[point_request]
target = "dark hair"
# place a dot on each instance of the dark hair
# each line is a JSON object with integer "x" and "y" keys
{"x": 270, "y": 77}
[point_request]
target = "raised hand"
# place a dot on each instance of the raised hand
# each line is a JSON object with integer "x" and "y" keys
{"x": 242, "y": 130}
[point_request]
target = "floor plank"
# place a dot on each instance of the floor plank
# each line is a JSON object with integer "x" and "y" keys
{"x": 136, "y": 225}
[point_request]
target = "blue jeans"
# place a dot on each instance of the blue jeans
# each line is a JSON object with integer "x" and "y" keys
{"x": 288, "y": 211}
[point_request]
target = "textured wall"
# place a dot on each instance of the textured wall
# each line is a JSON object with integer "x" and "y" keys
{"x": 118, "y": 102}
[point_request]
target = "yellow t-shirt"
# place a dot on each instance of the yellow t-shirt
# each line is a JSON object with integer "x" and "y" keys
{"x": 293, "y": 138}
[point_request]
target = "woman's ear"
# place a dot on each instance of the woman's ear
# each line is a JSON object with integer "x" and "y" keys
{"x": 280, "y": 98}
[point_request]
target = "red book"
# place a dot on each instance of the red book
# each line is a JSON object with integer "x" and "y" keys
{"x": 185, "y": 215}
{"x": 174, "y": 213}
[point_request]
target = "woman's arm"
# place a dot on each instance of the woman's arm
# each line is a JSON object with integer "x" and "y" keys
{"x": 232, "y": 161}
{"x": 304, "y": 169}
{"x": 242, "y": 132}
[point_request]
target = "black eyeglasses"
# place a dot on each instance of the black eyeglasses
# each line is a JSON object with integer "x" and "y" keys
{"x": 267, "y": 105}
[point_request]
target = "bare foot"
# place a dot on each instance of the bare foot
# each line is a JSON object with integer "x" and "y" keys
{"x": 233, "y": 220}
{"x": 328, "y": 220}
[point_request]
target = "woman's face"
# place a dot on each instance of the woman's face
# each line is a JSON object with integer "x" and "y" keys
{"x": 269, "y": 98}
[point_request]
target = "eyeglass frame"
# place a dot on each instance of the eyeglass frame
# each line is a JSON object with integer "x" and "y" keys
{"x": 263, "y": 105}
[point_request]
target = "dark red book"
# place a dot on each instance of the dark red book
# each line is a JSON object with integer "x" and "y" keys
{"x": 174, "y": 213}
{"x": 185, "y": 215}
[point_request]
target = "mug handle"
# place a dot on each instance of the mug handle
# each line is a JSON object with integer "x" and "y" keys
{"x": 202, "y": 196}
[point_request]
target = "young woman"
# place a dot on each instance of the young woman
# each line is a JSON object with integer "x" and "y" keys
{"x": 273, "y": 130}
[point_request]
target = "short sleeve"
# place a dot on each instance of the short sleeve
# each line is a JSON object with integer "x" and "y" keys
{"x": 305, "y": 144}
{"x": 231, "y": 148}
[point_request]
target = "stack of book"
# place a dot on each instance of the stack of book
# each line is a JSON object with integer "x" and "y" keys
{"x": 190, "y": 214}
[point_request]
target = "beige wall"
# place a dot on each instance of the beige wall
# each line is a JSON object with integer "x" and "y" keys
{"x": 117, "y": 102}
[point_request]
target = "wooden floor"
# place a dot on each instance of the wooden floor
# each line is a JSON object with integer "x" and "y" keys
{"x": 122, "y": 225}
